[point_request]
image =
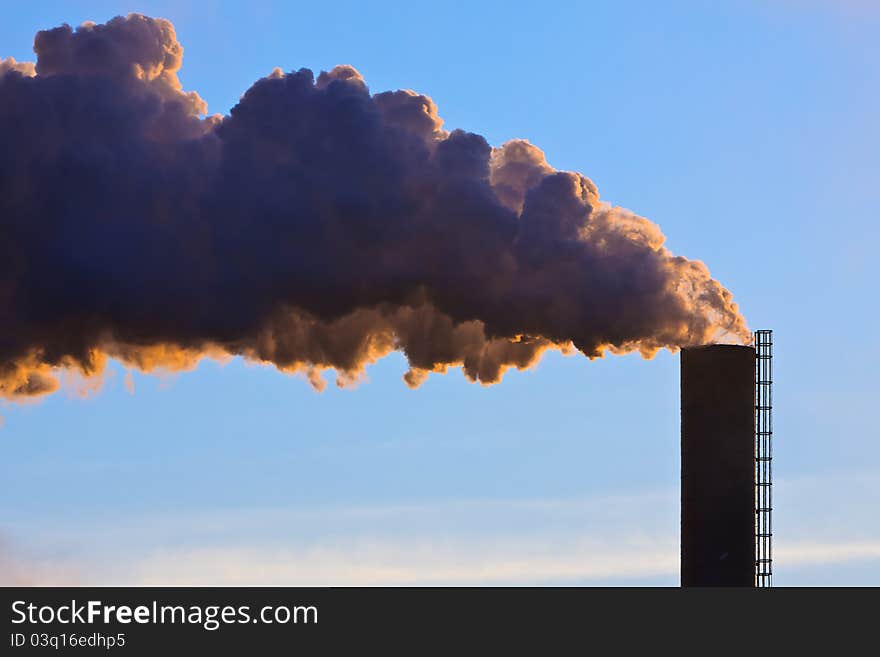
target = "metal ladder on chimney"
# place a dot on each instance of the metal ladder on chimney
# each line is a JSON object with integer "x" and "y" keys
{"x": 763, "y": 458}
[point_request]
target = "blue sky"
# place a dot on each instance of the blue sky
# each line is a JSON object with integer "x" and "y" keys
{"x": 748, "y": 132}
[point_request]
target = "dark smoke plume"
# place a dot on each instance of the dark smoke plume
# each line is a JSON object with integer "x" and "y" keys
{"x": 317, "y": 226}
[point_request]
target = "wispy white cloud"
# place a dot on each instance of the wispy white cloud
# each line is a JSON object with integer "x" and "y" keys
{"x": 511, "y": 562}
{"x": 631, "y": 538}
{"x": 466, "y": 541}
{"x": 411, "y": 563}
{"x": 826, "y": 554}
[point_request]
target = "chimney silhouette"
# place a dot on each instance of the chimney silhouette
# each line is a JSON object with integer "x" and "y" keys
{"x": 718, "y": 466}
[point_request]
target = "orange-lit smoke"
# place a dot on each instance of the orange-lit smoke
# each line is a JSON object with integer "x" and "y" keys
{"x": 318, "y": 226}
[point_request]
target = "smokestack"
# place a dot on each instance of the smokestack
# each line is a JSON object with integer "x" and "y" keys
{"x": 718, "y": 466}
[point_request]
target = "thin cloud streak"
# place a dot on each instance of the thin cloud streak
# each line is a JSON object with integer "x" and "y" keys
{"x": 397, "y": 564}
{"x": 624, "y": 538}
{"x": 428, "y": 563}
{"x": 813, "y": 553}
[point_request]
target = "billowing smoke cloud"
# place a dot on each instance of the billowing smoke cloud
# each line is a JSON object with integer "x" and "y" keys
{"x": 317, "y": 226}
